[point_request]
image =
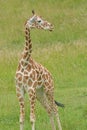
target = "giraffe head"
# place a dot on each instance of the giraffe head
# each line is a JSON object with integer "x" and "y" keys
{"x": 37, "y": 22}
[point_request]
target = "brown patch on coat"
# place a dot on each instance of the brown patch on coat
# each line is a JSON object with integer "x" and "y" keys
{"x": 25, "y": 55}
{"x": 21, "y": 99}
{"x": 30, "y": 82}
{"x": 18, "y": 94}
{"x": 35, "y": 84}
{"x": 29, "y": 67}
{"x": 32, "y": 75}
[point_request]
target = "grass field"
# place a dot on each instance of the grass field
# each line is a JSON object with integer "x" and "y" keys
{"x": 63, "y": 52}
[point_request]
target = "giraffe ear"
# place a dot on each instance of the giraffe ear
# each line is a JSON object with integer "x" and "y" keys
{"x": 33, "y": 12}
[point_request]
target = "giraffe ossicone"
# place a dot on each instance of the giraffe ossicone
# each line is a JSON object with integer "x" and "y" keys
{"x": 35, "y": 79}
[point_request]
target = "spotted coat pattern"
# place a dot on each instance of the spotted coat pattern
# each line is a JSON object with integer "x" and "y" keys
{"x": 36, "y": 80}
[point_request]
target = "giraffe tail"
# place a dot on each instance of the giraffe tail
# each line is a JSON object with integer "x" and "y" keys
{"x": 59, "y": 104}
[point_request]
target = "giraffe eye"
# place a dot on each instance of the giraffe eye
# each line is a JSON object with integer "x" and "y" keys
{"x": 39, "y": 21}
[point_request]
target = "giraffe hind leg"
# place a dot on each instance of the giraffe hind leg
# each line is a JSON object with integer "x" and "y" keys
{"x": 20, "y": 95}
{"x": 42, "y": 98}
{"x": 53, "y": 106}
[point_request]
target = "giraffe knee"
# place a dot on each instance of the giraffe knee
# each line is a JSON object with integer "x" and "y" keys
{"x": 32, "y": 118}
{"x": 21, "y": 119}
{"x": 22, "y": 113}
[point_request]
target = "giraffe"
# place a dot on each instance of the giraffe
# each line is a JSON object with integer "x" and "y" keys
{"x": 34, "y": 79}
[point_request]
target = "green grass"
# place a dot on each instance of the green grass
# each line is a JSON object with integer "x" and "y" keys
{"x": 63, "y": 52}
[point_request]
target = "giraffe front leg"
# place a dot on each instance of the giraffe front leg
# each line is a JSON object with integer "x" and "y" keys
{"x": 22, "y": 114}
{"x": 20, "y": 95}
{"x": 32, "y": 97}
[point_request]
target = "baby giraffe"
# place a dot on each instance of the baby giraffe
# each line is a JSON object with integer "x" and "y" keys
{"x": 34, "y": 79}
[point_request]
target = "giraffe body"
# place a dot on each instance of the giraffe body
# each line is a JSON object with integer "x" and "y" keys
{"x": 34, "y": 79}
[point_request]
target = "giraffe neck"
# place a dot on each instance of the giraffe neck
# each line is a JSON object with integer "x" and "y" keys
{"x": 28, "y": 46}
